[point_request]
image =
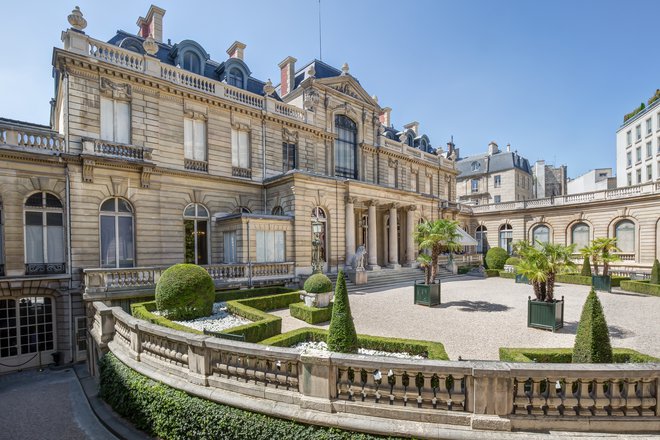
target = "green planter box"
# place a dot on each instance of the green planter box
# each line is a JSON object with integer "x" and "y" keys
{"x": 601, "y": 283}
{"x": 427, "y": 294}
{"x": 545, "y": 315}
{"x": 522, "y": 279}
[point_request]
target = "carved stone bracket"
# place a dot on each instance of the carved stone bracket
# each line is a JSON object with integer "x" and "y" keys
{"x": 289, "y": 136}
{"x": 393, "y": 163}
{"x": 145, "y": 177}
{"x": 193, "y": 114}
{"x": 88, "y": 170}
{"x": 114, "y": 90}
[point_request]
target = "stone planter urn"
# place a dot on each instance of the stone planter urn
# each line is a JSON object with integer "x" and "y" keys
{"x": 318, "y": 291}
{"x": 318, "y": 300}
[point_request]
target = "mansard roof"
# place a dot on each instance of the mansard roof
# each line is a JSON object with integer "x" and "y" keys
{"x": 322, "y": 70}
{"x": 210, "y": 68}
{"x": 485, "y": 164}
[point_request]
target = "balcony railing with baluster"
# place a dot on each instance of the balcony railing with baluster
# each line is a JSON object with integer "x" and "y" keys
{"x": 116, "y": 150}
{"x": 196, "y": 165}
{"x": 241, "y": 172}
{"x": 32, "y": 139}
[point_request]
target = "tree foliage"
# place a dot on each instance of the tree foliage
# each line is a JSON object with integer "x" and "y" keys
{"x": 342, "y": 337}
{"x": 586, "y": 267}
{"x": 655, "y": 272}
{"x": 592, "y": 341}
{"x": 185, "y": 291}
{"x": 541, "y": 263}
{"x": 602, "y": 250}
{"x": 437, "y": 237}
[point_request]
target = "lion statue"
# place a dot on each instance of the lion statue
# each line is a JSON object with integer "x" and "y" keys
{"x": 359, "y": 258}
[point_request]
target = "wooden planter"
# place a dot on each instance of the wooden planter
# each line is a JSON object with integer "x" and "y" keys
{"x": 427, "y": 294}
{"x": 545, "y": 315}
{"x": 602, "y": 283}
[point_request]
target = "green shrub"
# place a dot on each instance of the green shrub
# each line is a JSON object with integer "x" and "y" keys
{"x": 574, "y": 278}
{"x": 167, "y": 413}
{"x": 641, "y": 287}
{"x": 185, "y": 291}
{"x": 655, "y": 272}
{"x": 432, "y": 350}
{"x": 492, "y": 273}
{"x": 311, "y": 315}
{"x": 565, "y": 355}
{"x": 463, "y": 270}
{"x": 230, "y": 295}
{"x": 342, "y": 337}
{"x": 144, "y": 311}
{"x": 586, "y": 267}
{"x": 505, "y": 274}
{"x": 318, "y": 283}
{"x": 512, "y": 261}
{"x": 592, "y": 340}
{"x": 496, "y": 258}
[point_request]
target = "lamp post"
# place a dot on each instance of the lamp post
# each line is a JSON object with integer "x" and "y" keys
{"x": 317, "y": 265}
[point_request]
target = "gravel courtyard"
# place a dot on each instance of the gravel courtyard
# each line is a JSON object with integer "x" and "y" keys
{"x": 477, "y": 316}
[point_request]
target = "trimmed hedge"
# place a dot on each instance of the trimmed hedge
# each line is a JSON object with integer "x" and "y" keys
{"x": 574, "y": 278}
{"x": 144, "y": 311}
{"x": 185, "y": 291}
{"x": 167, "y": 413}
{"x": 492, "y": 273}
{"x": 655, "y": 272}
{"x": 565, "y": 355}
{"x": 592, "y": 339}
{"x": 432, "y": 350}
{"x": 342, "y": 337}
{"x": 311, "y": 315}
{"x": 641, "y": 287}
{"x": 318, "y": 283}
{"x": 510, "y": 275}
{"x": 496, "y": 258}
{"x": 586, "y": 267}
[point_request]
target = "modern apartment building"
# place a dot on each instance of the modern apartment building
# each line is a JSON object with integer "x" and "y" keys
{"x": 598, "y": 179}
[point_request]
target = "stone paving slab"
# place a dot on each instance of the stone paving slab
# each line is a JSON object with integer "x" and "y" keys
{"x": 479, "y": 315}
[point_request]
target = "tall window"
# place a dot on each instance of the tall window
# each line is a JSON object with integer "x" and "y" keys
{"x": 497, "y": 199}
{"x": 638, "y": 154}
{"x": 649, "y": 172}
{"x": 235, "y": 78}
{"x": 115, "y": 120}
{"x": 318, "y": 214}
{"x": 2, "y": 248}
{"x": 44, "y": 235}
{"x": 345, "y": 147}
{"x": 429, "y": 184}
{"x": 289, "y": 159}
{"x": 117, "y": 238}
{"x": 240, "y": 149}
{"x": 506, "y": 237}
{"x": 624, "y": 231}
{"x": 629, "y": 138}
{"x": 229, "y": 241}
{"x": 194, "y": 139}
{"x": 580, "y": 235}
{"x": 392, "y": 176}
{"x": 196, "y": 226}
{"x": 541, "y": 234}
{"x": 270, "y": 246}
{"x": 475, "y": 185}
{"x": 638, "y": 132}
{"x": 638, "y": 173}
{"x": 414, "y": 179}
{"x": 497, "y": 181}
{"x": 629, "y": 158}
{"x": 649, "y": 126}
{"x": 192, "y": 62}
{"x": 26, "y": 326}
{"x": 649, "y": 149}
{"x": 482, "y": 240}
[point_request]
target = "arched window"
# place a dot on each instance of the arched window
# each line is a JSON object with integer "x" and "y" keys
{"x": 192, "y": 62}
{"x": 482, "y": 239}
{"x": 580, "y": 235}
{"x": 422, "y": 145}
{"x": 540, "y": 234}
{"x": 624, "y": 231}
{"x": 475, "y": 166}
{"x": 235, "y": 78}
{"x": 318, "y": 215}
{"x": 117, "y": 238}
{"x": 278, "y": 210}
{"x": 506, "y": 237}
{"x": 242, "y": 210}
{"x": 196, "y": 227}
{"x": 345, "y": 147}
{"x": 44, "y": 235}
{"x": 410, "y": 141}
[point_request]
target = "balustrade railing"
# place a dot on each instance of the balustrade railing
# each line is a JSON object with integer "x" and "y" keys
{"x": 241, "y": 172}
{"x": 120, "y": 151}
{"x": 289, "y": 111}
{"x": 240, "y": 95}
{"x": 116, "y": 55}
{"x": 598, "y": 397}
{"x": 38, "y": 140}
{"x": 196, "y": 165}
{"x": 188, "y": 79}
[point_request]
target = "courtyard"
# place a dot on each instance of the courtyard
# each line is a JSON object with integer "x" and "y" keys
{"x": 478, "y": 316}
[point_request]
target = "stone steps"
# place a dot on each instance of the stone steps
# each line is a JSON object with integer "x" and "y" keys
{"x": 385, "y": 279}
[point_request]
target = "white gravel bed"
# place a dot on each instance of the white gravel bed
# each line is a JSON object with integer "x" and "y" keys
{"x": 219, "y": 320}
{"x": 310, "y": 347}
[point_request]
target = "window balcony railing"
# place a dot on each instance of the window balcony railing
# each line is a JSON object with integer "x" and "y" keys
{"x": 196, "y": 165}
{"x": 33, "y": 139}
{"x": 45, "y": 268}
{"x": 115, "y": 150}
{"x": 241, "y": 172}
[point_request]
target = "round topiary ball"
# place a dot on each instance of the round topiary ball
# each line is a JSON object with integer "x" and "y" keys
{"x": 496, "y": 258}
{"x": 185, "y": 291}
{"x": 318, "y": 283}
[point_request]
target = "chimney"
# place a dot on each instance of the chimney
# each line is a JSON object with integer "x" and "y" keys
{"x": 152, "y": 24}
{"x": 236, "y": 50}
{"x": 384, "y": 117}
{"x": 493, "y": 148}
{"x": 414, "y": 126}
{"x": 287, "y": 75}
{"x": 508, "y": 148}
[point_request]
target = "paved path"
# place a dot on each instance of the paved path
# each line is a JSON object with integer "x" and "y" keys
{"x": 46, "y": 405}
{"x": 477, "y": 316}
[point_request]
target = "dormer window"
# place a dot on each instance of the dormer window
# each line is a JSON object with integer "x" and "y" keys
{"x": 423, "y": 146}
{"x": 410, "y": 140}
{"x": 475, "y": 166}
{"x": 235, "y": 78}
{"x": 192, "y": 62}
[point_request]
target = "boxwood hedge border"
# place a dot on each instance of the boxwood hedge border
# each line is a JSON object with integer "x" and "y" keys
{"x": 311, "y": 315}
{"x": 564, "y": 355}
{"x": 644, "y": 287}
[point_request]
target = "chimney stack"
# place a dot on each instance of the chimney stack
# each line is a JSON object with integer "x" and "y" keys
{"x": 287, "y": 75}
{"x": 384, "y": 117}
{"x": 152, "y": 24}
{"x": 236, "y": 50}
{"x": 508, "y": 148}
{"x": 493, "y": 148}
{"x": 414, "y": 126}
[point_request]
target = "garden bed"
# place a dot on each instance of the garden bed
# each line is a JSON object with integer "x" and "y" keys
{"x": 219, "y": 320}
{"x": 311, "y": 315}
{"x": 565, "y": 355}
{"x": 641, "y": 287}
{"x": 425, "y": 349}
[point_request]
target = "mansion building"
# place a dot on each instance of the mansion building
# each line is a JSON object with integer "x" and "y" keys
{"x": 159, "y": 154}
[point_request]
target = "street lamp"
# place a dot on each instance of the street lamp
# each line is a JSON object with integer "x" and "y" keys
{"x": 317, "y": 265}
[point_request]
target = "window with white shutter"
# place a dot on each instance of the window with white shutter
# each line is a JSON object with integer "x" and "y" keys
{"x": 240, "y": 149}
{"x": 115, "y": 120}
{"x": 194, "y": 139}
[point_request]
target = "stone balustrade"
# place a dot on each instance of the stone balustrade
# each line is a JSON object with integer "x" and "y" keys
{"x": 112, "y": 54}
{"x": 417, "y": 394}
{"x": 42, "y": 141}
{"x": 115, "y": 150}
{"x": 461, "y": 260}
{"x": 196, "y": 165}
{"x": 141, "y": 281}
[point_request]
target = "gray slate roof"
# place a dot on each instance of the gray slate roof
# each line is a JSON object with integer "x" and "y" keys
{"x": 502, "y": 161}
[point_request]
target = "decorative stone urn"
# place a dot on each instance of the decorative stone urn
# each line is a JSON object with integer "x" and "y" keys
{"x": 318, "y": 300}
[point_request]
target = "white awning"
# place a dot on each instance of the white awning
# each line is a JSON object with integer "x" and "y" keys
{"x": 465, "y": 238}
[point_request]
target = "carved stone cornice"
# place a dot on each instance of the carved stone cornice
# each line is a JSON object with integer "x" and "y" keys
{"x": 194, "y": 114}
{"x": 114, "y": 90}
{"x": 289, "y": 136}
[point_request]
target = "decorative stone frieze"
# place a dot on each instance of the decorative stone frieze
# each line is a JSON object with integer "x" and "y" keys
{"x": 115, "y": 90}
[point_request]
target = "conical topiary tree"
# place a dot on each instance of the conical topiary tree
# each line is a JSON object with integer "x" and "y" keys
{"x": 655, "y": 272}
{"x": 342, "y": 337}
{"x": 586, "y": 267}
{"x": 592, "y": 341}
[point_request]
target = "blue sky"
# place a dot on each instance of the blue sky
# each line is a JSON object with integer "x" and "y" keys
{"x": 553, "y": 78}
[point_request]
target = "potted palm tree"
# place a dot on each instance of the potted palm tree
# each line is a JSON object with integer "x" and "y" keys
{"x": 602, "y": 250}
{"x": 540, "y": 265}
{"x": 435, "y": 237}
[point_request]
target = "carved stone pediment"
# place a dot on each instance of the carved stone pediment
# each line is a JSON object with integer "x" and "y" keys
{"x": 115, "y": 90}
{"x": 346, "y": 85}
{"x": 289, "y": 136}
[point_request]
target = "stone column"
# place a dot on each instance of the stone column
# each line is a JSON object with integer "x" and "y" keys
{"x": 393, "y": 257}
{"x": 410, "y": 240}
{"x": 349, "y": 230}
{"x": 372, "y": 239}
